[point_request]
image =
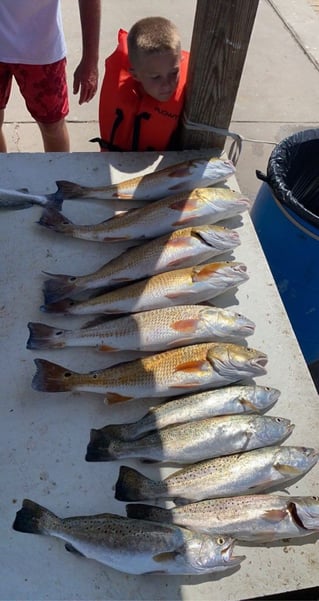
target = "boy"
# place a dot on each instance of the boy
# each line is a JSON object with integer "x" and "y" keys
{"x": 143, "y": 90}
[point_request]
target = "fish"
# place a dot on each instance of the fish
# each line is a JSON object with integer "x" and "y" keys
{"x": 201, "y": 206}
{"x": 14, "y": 200}
{"x": 242, "y": 473}
{"x": 182, "y": 248}
{"x": 186, "y": 369}
{"x": 210, "y": 403}
{"x": 258, "y": 519}
{"x": 147, "y": 331}
{"x": 191, "y": 285}
{"x": 128, "y": 545}
{"x": 194, "y": 441}
{"x": 184, "y": 176}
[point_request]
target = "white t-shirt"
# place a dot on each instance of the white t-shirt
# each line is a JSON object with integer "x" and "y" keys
{"x": 31, "y": 32}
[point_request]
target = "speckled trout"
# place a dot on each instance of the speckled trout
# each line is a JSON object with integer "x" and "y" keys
{"x": 238, "y": 474}
{"x": 171, "y": 373}
{"x": 148, "y": 331}
{"x": 193, "y": 441}
{"x": 131, "y": 546}
{"x": 210, "y": 403}
{"x": 191, "y": 285}
{"x": 202, "y": 206}
{"x": 253, "y": 518}
{"x": 185, "y": 176}
{"x": 180, "y": 249}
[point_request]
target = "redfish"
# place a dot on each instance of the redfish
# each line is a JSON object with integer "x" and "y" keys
{"x": 177, "y": 250}
{"x": 148, "y": 331}
{"x": 199, "y": 207}
{"x": 191, "y": 285}
{"x": 186, "y": 369}
{"x": 185, "y": 176}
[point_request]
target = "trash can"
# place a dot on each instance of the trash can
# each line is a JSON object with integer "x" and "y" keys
{"x": 285, "y": 215}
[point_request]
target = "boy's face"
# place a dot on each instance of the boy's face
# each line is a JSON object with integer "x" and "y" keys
{"x": 158, "y": 74}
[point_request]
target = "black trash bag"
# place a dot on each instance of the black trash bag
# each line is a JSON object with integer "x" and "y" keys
{"x": 293, "y": 174}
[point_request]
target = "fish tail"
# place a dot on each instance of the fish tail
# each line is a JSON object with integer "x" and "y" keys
{"x": 55, "y": 200}
{"x": 131, "y": 485}
{"x": 63, "y": 306}
{"x": 44, "y": 337}
{"x": 148, "y": 512}
{"x": 54, "y": 220}
{"x": 71, "y": 189}
{"x": 100, "y": 447}
{"x": 34, "y": 518}
{"x": 57, "y": 288}
{"x": 51, "y": 377}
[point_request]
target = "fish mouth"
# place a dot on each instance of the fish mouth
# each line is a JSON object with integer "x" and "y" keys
{"x": 229, "y": 558}
{"x": 260, "y": 362}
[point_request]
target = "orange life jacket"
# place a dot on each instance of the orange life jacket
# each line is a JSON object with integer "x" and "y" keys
{"x": 129, "y": 120}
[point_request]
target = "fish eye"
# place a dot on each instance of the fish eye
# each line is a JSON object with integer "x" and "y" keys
{"x": 278, "y": 420}
{"x": 315, "y": 498}
{"x": 220, "y": 540}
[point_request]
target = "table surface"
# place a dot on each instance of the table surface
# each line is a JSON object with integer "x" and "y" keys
{"x": 44, "y": 437}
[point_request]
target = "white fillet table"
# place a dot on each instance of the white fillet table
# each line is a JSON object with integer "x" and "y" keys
{"x": 44, "y": 436}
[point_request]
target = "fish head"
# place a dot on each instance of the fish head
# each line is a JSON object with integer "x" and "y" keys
{"x": 265, "y": 396}
{"x": 225, "y": 322}
{"x": 217, "y": 236}
{"x": 306, "y": 509}
{"x": 225, "y": 199}
{"x": 271, "y": 429}
{"x": 205, "y": 554}
{"x": 220, "y": 275}
{"x": 229, "y": 358}
{"x": 213, "y": 170}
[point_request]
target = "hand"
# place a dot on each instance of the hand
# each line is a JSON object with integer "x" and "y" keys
{"x": 85, "y": 80}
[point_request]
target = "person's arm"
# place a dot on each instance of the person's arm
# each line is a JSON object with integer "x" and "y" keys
{"x": 85, "y": 77}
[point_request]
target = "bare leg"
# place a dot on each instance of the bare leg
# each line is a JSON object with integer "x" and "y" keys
{"x": 55, "y": 136}
{"x": 3, "y": 146}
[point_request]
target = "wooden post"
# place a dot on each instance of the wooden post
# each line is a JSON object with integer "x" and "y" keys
{"x": 221, "y": 34}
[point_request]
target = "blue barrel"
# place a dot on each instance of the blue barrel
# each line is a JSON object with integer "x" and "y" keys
{"x": 285, "y": 215}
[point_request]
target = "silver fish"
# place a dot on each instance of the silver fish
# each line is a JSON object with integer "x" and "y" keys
{"x": 148, "y": 331}
{"x": 14, "y": 200}
{"x": 202, "y": 206}
{"x": 131, "y": 546}
{"x": 259, "y": 518}
{"x": 194, "y": 441}
{"x": 185, "y": 176}
{"x": 177, "y": 250}
{"x": 171, "y": 373}
{"x": 191, "y": 285}
{"x": 238, "y": 474}
{"x": 210, "y": 403}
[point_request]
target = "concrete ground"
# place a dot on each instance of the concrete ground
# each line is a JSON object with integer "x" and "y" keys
{"x": 277, "y": 94}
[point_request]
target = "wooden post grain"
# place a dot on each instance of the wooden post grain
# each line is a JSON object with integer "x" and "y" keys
{"x": 221, "y": 34}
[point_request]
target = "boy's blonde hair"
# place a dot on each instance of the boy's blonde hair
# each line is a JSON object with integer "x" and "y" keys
{"x": 152, "y": 35}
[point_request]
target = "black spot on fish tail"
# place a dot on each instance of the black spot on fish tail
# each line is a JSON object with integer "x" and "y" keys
{"x": 99, "y": 447}
{"x": 149, "y": 512}
{"x": 63, "y": 306}
{"x": 51, "y": 377}
{"x": 30, "y": 518}
{"x": 131, "y": 485}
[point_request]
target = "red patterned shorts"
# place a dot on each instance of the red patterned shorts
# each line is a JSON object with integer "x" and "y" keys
{"x": 43, "y": 87}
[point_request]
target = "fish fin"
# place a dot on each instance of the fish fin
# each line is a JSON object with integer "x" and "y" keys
{"x": 131, "y": 485}
{"x": 51, "y": 377}
{"x": 164, "y": 557}
{"x": 148, "y": 512}
{"x": 72, "y": 549}
{"x": 248, "y": 405}
{"x": 115, "y": 397}
{"x": 182, "y": 501}
{"x": 96, "y": 321}
{"x": 275, "y": 515}
{"x": 287, "y": 470}
{"x": 192, "y": 366}
{"x": 32, "y": 517}
{"x": 202, "y": 272}
{"x": 185, "y": 325}
{"x": 54, "y": 220}
{"x": 44, "y": 337}
{"x": 105, "y": 348}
